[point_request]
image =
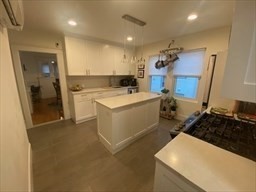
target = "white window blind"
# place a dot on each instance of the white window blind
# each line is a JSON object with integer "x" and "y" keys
{"x": 152, "y": 70}
{"x": 189, "y": 63}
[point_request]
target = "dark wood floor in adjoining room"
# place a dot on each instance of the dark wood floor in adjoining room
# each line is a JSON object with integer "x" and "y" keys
{"x": 69, "y": 157}
{"x": 46, "y": 110}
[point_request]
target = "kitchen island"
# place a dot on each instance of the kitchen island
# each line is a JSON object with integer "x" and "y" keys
{"x": 189, "y": 164}
{"x": 123, "y": 119}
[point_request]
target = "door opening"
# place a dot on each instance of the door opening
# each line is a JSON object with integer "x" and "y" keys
{"x": 43, "y": 89}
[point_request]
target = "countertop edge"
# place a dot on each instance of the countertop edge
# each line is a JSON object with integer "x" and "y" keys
{"x": 124, "y": 105}
{"x": 171, "y": 165}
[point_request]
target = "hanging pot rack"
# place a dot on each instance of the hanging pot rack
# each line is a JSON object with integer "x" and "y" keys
{"x": 171, "y": 56}
{"x": 172, "y": 50}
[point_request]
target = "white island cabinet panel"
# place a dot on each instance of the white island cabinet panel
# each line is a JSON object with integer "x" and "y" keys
{"x": 122, "y": 119}
{"x": 151, "y": 114}
{"x": 138, "y": 121}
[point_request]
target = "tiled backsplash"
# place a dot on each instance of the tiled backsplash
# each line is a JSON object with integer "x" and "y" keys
{"x": 246, "y": 107}
{"x": 94, "y": 81}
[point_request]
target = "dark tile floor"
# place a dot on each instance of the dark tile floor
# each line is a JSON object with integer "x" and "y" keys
{"x": 69, "y": 157}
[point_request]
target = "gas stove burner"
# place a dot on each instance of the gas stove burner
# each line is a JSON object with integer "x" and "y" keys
{"x": 227, "y": 133}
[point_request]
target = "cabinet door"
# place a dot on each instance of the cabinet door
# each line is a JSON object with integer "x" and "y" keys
{"x": 169, "y": 181}
{"x": 239, "y": 81}
{"x": 98, "y": 95}
{"x": 83, "y": 107}
{"x": 76, "y": 53}
{"x": 122, "y": 132}
{"x": 108, "y": 57}
{"x": 138, "y": 119}
{"x": 121, "y": 68}
{"x": 93, "y": 58}
{"x": 152, "y": 113}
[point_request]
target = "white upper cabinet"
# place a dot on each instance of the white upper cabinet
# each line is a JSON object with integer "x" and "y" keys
{"x": 107, "y": 57}
{"x": 92, "y": 58}
{"x": 239, "y": 80}
{"x": 75, "y": 51}
{"x": 121, "y": 68}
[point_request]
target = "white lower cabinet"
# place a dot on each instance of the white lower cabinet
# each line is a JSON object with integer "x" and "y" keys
{"x": 169, "y": 181}
{"x": 83, "y": 106}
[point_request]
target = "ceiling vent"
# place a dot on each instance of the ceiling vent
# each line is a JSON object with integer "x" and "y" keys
{"x": 11, "y": 14}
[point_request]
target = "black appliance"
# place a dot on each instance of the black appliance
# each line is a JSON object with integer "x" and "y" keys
{"x": 124, "y": 82}
{"x": 133, "y": 82}
{"x": 227, "y": 133}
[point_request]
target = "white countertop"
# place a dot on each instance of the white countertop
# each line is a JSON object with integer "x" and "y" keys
{"x": 207, "y": 166}
{"x": 100, "y": 89}
{"x": 124, "y": 100}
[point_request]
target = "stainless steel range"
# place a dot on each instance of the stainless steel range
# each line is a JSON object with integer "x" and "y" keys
{"x": 227, "y": 133}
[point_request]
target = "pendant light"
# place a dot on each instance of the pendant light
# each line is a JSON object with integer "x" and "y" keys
{"x": 142, "y": 60}
{"x": 133, "y": 58}
{"x": 124, "y": 58}
{"x": 139, "y": 23}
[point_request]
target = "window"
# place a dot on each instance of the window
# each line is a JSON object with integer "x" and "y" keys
{"x": 157, "y": 76}
{"x": 187, "y": 72}
{"x": 46, "y": 70}
{"x": 157, "y": 83}
{"x": 186, "y": 87}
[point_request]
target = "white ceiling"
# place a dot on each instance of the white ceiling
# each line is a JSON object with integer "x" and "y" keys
{"x": 102, "y": 19}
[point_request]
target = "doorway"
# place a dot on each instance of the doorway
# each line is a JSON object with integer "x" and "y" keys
{"x": 41, "y": 79}
{"x": 49, "y": 67}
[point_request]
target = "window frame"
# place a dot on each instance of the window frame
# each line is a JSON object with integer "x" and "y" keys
{"x": 150, "y": 81}
{"x": 199, "y": 76}
{"x": 193, "y": 100}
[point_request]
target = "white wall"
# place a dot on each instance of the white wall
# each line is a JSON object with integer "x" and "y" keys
{"x": 36, "y": 38}
{"x": 214, "y": 40}
{"x": 44, "y": 42}
{"x": 14, "y": 144}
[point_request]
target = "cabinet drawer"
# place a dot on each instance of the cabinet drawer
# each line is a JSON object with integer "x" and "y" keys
{"x": 82, "y": 97}
{"x": 99, "y": 95}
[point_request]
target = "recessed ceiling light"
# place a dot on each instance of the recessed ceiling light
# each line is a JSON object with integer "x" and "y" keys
{"x": 72, "y": 23}
{"x": 192, "y": 17}
{"x": 52, "y": 62}
{"x": 129, "y": 38}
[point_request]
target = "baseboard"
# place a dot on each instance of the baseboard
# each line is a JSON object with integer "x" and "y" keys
{"x": 30, "y": 168}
